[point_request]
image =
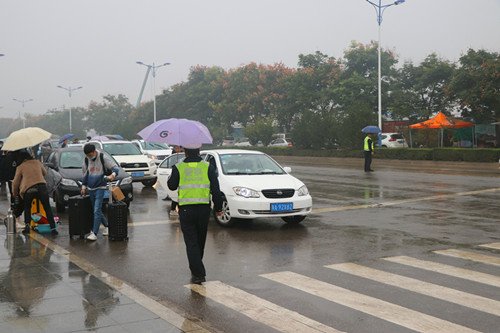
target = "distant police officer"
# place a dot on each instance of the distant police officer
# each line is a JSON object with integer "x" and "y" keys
{"x": 195, "y": 180}
{"x": 368, "y": 148}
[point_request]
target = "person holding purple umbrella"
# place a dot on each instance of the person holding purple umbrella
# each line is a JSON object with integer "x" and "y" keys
{"x": 195, "y": 180}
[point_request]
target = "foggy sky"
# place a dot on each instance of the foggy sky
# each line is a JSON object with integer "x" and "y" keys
{"x": 95, "y": 43}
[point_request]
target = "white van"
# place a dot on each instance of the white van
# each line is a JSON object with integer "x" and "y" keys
{"x": 139, "y": 166}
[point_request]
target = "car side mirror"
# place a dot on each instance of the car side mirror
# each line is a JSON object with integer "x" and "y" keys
{"x": 123, "y": 164}
{"x": 287, "y": 169}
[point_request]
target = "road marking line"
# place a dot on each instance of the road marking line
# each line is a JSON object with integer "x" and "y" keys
{"x": 425, "y": 288}
{"x": 146, "y": 223}
{"x": 495, "y": 246}
{"x": 399, "y": 202}
{"x": 393, "y": 313}
{"x": 137, "y": 296}
{"x": 490, "y": 260}
{"x": 462, "y": 273}
{"x": 258, "y": 309}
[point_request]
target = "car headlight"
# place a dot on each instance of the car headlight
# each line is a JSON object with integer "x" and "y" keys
{"x": 126, "y": 181}
{"x": 69, "y": 182}
{"x": 302, "y": 191}
{"x": 152, "y": 156}
{"x": 246, "y": 192}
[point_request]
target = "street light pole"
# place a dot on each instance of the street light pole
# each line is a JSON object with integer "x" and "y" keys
{"x": 380, "y": 9}
{"x": 22, "y": 101}
{"x": 154, "y": 68}
{"x": 69, "y": 94}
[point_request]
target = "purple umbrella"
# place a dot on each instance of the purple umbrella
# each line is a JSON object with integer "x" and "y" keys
{"x": 100, "y": 138}
{"x": 179, "y": 132}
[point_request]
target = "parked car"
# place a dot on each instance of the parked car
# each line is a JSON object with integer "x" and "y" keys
{"x": 139, "y": 166}
{"x": 280, "y": 142}
{"x": 155, "y": 150}
{"x": 165, "y": 169}
{"x": 228, "y": 141}
{"x": 68, "y": 162}
{"x": 253, "y": 185}
{"x": 393, "y": 140}
{"x": 243, "y": 142}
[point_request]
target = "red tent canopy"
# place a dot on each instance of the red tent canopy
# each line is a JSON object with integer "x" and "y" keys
{"x": 441, "y": 121}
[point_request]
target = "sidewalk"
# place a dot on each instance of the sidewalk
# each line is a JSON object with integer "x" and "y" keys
{"x": 43, "y": 291}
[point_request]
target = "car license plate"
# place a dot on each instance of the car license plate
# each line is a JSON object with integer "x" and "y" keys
{"x": 106, "y": 193}
{"x": 282, "y": 207}
{"x": 137, "y": 174}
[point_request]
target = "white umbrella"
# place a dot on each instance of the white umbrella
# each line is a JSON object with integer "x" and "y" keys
{"x": 26, "y": 137}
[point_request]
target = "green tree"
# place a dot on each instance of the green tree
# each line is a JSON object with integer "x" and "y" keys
{"x": 261, "y": 129}
{"x": 476, "y": 85}
{"x": 109, "y": 116}
{"x": 421, "y": 91}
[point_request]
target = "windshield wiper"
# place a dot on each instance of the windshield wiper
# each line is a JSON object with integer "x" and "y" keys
{"x": 269, "y": 173}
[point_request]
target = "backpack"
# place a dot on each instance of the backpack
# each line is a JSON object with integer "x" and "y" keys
{"x": 101, "y": 156}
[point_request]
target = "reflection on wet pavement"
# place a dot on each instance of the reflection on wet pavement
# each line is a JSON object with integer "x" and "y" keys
{"x": 41, "y": 291}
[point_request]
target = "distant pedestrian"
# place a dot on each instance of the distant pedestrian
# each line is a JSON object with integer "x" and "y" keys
{"x": 93, "y": 182}
{"x": 195, "y": 180}
{"x": 3, "y": 167}
{"x": 76, "y": 141}
{"x": 29, "y": 183}
{"x": 368, "y": 151}
{"x": 64, "y": 144}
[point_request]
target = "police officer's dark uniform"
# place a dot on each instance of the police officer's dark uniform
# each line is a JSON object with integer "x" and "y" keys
{"x": 368, "y": 151}
{"x": 195, "y": 180}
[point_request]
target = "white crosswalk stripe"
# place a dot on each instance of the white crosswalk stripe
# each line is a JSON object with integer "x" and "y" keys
{"x": 495, "y": 246}
{"x": 393, "y": 313}
{"x": 482, "y": 258}
{"x": 284, "y": 320}
{"x": 462, "y": 273}
{"x": 259, "y": 309}
{"x": 425, "y": 288}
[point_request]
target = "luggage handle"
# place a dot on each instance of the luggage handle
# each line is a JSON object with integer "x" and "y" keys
{"x": 110, "y": 196}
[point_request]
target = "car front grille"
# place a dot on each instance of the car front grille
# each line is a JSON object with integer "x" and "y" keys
{"x": 136, "y": 165}
{"x": 279, "y": 193}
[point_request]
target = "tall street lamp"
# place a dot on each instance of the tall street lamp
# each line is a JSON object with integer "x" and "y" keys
{"x": 22, "y": 101}
{"x": 69, "y": 94}
{"x": 154, "y": 68}
{"x": 380, "y": 9}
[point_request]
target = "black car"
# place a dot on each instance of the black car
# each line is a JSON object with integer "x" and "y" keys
{"x": 68, "y": 162}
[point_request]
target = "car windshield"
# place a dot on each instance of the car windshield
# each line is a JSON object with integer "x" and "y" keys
{"x": 170, "y": 161}
{"x": 249, "y": 164}
{"x": 397, "y": 136}
{"x": 71, "y": 159}
{"x": 154, "y": 145}
{"x": 121, "y": 148}
{"x": 74, "y": 159}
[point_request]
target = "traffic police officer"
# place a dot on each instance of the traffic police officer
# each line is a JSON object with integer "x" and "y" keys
{"x": 368, "y": 150}
{"x": 195, "y": 180}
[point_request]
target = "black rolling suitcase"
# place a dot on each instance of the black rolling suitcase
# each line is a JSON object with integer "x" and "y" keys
{"x": 117, "y": 219}
{"x": 81, "y": 215}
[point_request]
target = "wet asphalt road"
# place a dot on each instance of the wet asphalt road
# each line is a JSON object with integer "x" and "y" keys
{"x": 402, "y": 209}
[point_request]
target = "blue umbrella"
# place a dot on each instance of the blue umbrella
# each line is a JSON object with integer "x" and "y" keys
{"x": 178, "y": 132}
{"x": 66, "y": 137}
{"x": 371, "y": 129}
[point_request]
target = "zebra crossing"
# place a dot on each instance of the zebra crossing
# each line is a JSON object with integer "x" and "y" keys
{"x": 282, "y": 319}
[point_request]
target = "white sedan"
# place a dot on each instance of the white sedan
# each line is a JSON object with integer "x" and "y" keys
{"x": 164, "y": 171}
{"x": 253, "y": 185}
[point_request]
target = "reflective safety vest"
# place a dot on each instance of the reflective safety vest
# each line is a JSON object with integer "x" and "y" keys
{"x": 367, "y": 146}
{"x": 194, "y": 185}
